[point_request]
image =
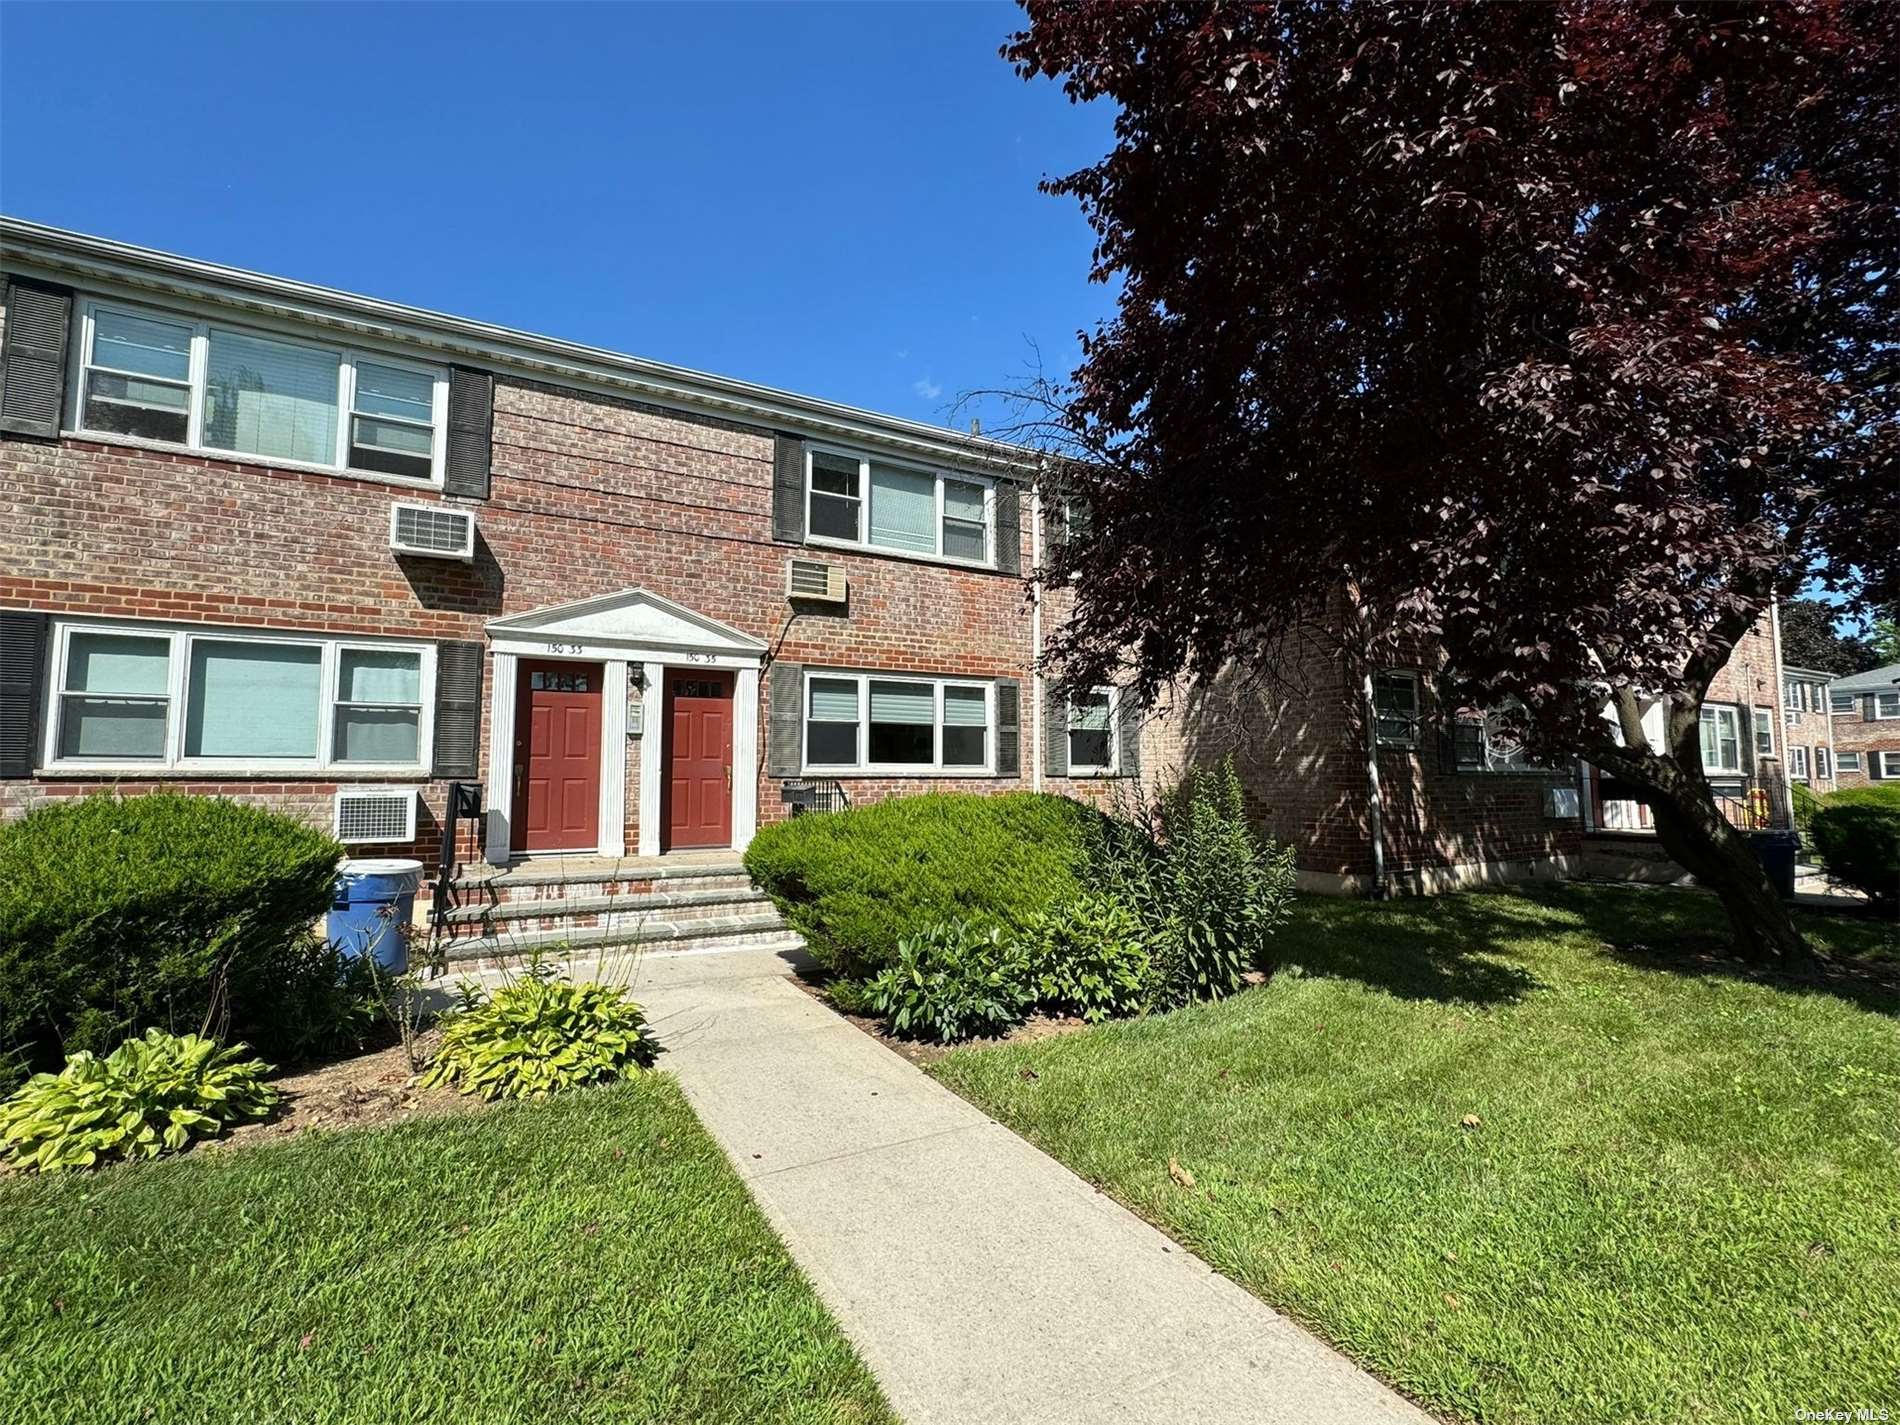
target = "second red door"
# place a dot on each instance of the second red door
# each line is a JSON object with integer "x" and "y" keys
{"x": 698, "y": 785}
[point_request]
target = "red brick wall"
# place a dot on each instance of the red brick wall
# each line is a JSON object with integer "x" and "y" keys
{"x": 1854, "y": 733}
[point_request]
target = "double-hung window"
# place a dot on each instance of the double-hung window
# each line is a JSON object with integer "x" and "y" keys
{"x": 1884, "y": 765}
{"x": 1822, "y": 771}
{"x": 1842, "y": 702}
{"x": 1721, "y": 740}
{"x": 1849, "y": 762}
{"x": 144, "y": 696}
{"x": 1091, "y": 730}
{"x": 1798, "y": 763}
{"x": 861, "y": 722}
{"x": 1764, "y": 733}
{"x": 1886, "y": 705}
{"x": 851, "y": 499}
{"x": 230, "y": 390}
{"x": 1395, "y": 700}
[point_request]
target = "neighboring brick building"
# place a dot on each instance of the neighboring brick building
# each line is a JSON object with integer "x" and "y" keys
{"x": 1807, "y": 729}
{"x": 1866, "y": 719}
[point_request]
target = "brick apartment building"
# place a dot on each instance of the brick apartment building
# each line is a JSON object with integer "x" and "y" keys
{"x": 1866, "y": 726}
{"x": 1807, "y": 728}
{"x": 333, "y": 555}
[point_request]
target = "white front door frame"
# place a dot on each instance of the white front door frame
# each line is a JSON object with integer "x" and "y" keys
{"x": 622, "y": 631}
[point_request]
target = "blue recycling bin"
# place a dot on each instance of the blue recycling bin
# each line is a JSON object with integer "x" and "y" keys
{"x": 375, "y": 899}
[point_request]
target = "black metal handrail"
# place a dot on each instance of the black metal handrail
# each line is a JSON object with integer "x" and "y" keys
{"x": 805, "y": 795}
{"x": 465, "y": 802}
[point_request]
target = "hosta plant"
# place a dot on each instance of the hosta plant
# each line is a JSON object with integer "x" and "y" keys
{"x": 150, "y": 1095}
{"x": 539, "y": 1034}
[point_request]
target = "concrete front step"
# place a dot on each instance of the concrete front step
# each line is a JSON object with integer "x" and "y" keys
{"x": 633, "y": 932}
{"x": 598, "y": 870}
{"x": 661, "y": 905}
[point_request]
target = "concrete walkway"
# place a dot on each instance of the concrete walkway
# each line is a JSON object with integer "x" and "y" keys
{"x": 981, "y": 1281}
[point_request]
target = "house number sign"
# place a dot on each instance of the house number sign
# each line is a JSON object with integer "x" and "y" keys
{"x": 564, "y": 647}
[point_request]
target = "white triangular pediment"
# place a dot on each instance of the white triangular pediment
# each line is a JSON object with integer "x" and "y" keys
{"x": 629, "y": 618}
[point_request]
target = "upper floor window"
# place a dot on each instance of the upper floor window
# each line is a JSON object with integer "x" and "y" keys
{"x": 1886, "y": 705}
{"x": 129, "y": 695}
{"x": 851, "y": 499}
{"x": 1842, "y": 702}
{"x": 1395, "y": 699}
{"x": 228, "y": 390}
{"x": 1764, "y": 733}
{"x": 1721, "y": 739}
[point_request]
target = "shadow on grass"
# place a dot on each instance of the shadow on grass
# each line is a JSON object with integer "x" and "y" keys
{"x": 1459, "y": 949}
{"x": 1686, "y": 933}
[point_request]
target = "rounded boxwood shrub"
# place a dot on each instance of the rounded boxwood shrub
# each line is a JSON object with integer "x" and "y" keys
{"x": 854, "y": 883}
{"x": 159, "y": 910}
{"x": 1857, "y": 833}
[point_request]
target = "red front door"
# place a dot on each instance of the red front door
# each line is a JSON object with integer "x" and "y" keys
{"x": 557, "y": 757}
{"x": 698, "y": 786}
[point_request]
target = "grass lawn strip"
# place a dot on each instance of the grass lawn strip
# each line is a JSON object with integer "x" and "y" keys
{"x": 1677, "y": 1199}
{"x": 587, "y": 1258}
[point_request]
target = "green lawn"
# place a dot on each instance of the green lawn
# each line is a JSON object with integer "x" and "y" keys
{"x": 590, "y": 1258}
{"x": 1681, "y": 1200}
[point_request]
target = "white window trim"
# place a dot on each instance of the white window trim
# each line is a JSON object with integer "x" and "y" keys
{"x": 180, "y": 638}
{"x": 1734, "y": 714}
{"x": 1764, "y": 728}
{"x": 1085, "y": 769}
{"x": 864, "y": 767}
{"x": 1847, "y": 762}
{"x": 1823, "y": 765}
{"x": 1417, "y": 715}
{"x": 1834, "y": 701}
{"x": 1889, "y": 764}
{"x": 201, "y": 328}
{"x": 1798, "y": 763}
{"x": 863, "y": 542}
{"x": 1886, "y": 716}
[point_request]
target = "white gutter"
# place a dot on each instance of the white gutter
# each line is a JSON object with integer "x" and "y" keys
{"x": 34, "y": 249}
{"x": 1035, "y": 631}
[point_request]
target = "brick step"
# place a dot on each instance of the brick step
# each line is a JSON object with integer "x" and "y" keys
{"x": 532, "y": 881}
{"x": 661, "y": 905}
{"x": 732, "y": 932}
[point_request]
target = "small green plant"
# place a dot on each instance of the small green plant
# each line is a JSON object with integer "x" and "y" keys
{"x": 1857, "y": 833}
{"x": 953, "y": 980}
{"x": 148, "y": 1096}
{"x": 539, "y": 1034}
{"x": 1090, "y": 958}
{"x": 1209, "y": 891}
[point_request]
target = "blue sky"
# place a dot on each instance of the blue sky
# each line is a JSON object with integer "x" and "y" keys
{"x": 839, "y": 199}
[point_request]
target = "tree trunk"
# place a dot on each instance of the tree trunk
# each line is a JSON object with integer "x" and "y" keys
{"x": 1696, "y": 834}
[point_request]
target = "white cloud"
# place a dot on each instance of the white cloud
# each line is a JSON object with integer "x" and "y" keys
{"x": 926, "y": 388}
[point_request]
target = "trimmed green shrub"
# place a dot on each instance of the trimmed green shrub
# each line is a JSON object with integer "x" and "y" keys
{"x": 539, "y": 1034}
{"x": 1090, "y": 957}
{"x": 119, "y": 913}
{"x": 953, "y": 980}
{"x": 149, "y": 1096}
{"x": 854, "y": 883}
{"x": 1857, "y": 833}
{"x": 1209, "y": 890}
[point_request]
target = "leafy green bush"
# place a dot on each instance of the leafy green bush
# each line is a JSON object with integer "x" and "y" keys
{"x": 539, "y": 1034}
{"x": 1090, "y": 957}
{"x": 1857, "y": 833}
{"x": 122, "y": 913}
{"x": 854, "y": 883}
{"x": 953, "y": 980}
{"x": 1209, "y": 891}
{"x": 149, "y": 1096}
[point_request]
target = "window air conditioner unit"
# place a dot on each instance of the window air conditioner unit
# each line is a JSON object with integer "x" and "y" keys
{"x": 815, "y": 582}
{"x": 375, "y": 814}
{"x": 432, "y": 531}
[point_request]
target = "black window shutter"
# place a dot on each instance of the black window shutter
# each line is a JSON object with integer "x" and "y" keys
{"x": 1009, "y": 757}
{"x": 471, "y": 432}
{"x": 1055, "y": 732}
{"x": 1869, "y": 706}
{"x": 788, "y": 490}
{"x": 33, "y": 356}
{"x": 1009, "y": 527}
{"x": 458, "y": 708}
{"x": 22, "y": 671}
{"x": 1129, "y": 714}
{"x": 784, "y": 713}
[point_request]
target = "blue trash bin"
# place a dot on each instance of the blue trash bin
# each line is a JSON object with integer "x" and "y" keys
{"x": 370, "y": 915}
{"x": 1778, "y": 851}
